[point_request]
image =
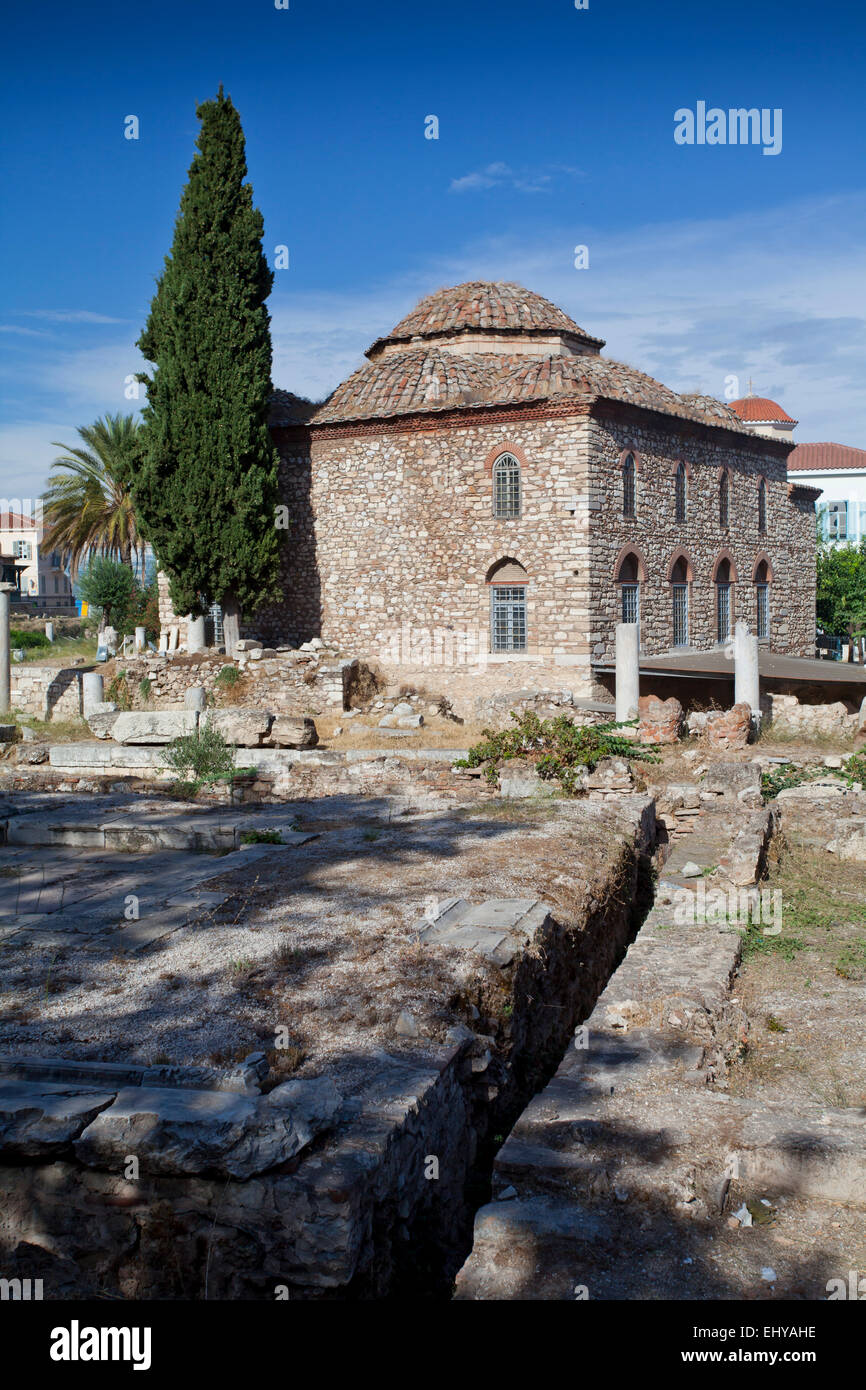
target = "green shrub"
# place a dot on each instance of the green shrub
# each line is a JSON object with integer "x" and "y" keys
{"x": 145, "y": 688}
{"x": 119, "y": 692}
{"x": 202, "y": 758}
{"x": 261, "y": 837}
{"x": 19, "y": 638}
{"x": 227, "y": 677}
{"x": 559, "y": 748}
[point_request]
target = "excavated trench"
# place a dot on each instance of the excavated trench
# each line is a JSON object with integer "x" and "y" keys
{"x": 552, "y": 991}
{"x": 354, "y": 1217}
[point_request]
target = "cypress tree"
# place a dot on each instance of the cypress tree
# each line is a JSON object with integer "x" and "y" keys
{"x": 207, "y": 489}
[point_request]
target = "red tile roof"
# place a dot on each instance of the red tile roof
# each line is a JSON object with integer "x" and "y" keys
{"x": 430, "y": 378}
{"x": 829, "y": 457}
{"x": 759, "y": 409}
{"x": 15, "y": 521}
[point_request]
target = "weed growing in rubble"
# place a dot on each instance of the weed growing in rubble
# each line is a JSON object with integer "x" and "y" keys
{"x": 261, "y": 837}
{"x": 119, "y": 692}
{"x": 201, "y": 758}
{"x": 560, "y": 749}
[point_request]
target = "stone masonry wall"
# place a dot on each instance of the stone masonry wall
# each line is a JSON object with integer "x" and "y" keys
{"x": 47, "y": 692}
{"x": 397, "y": 568}
{"x": 656, "y": 536}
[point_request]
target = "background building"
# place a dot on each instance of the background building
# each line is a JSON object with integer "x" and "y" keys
{"x": 43, "y": 583}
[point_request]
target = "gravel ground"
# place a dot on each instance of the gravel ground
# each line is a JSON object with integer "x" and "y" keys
{"x": 315, "y": 947}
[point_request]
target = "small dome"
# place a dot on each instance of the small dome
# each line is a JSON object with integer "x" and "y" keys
{"x": 760, "y": 410}
{"x": 483, "y": 306}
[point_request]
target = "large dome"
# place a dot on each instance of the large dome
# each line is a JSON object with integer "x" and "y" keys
{"x": 493, "y": 309}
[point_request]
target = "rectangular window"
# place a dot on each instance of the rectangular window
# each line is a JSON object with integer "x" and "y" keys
{"x": 681, "y": 614}
{"x": 506, "y": 487}
{"x": 216, "y": 614}
{"x": 837, "y": 521}
{"x": 508, "y": 618}
{"x": 763, "y": 612}
{"x": 21, "y": 550}
{"x": 630, "y": 605}
{"x": 723, "y": 611}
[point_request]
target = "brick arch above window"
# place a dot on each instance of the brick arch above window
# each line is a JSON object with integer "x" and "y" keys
{"x": 626, "y": 551}
{"x": 690, "y": 569}
{"x": 726, "y": 555}
{"x": 638, "y": 462}
{"x": 505, "y": 448}
{"x": 686, "y": 466}
{"x": 763, "y": 559}
{"x": 506, "y": 570}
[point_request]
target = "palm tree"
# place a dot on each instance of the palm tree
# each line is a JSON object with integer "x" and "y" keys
{"x": 88, "y": 505}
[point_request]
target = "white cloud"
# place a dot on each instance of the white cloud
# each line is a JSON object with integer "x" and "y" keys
{"x": 69, "y": 316}
{"x": 498, "y": 175}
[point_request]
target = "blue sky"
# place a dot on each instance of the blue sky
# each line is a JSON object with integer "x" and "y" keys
{"x": 555, "y": 129}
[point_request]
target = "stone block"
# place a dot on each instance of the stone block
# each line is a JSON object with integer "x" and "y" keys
{"x": 38, "y": 1118}
{"x": 245, "y": 728}
{"x": 153, "y": 726}
{"x": 175, "y": 1132}
{"x": 293, "y": 731}
{"x": 102, "y": 724}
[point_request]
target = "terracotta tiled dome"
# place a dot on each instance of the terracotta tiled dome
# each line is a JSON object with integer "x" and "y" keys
{"x": 760, "y": 410}
{"x": 483, "y": 306}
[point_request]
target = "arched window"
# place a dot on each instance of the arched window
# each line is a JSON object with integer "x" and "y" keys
{"x": 629, "y": 582}
{"x": 680, "y": 492}
{"x": 762, "y": 505}
{"x": 724, "y": 501}
{"x": 723, "y": 600}
{"x": 762, "y": 596}
{"x": 506, "y": 486}
{"x": 628, "y": 490}
{"x": 680, "y": 601}
{"x": 508, "y": 581}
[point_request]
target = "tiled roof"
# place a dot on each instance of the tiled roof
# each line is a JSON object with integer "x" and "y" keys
{"x": 760, "y": 410}
{"x": 420, "y": 379}
{"x": 807, "y": 457}
{"x": 494, "y": 306}
{"x": 429, "y": 378}
{"x": 16, "y": 521}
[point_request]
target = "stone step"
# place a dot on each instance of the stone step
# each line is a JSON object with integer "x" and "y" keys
{"x": 497, "y": 929}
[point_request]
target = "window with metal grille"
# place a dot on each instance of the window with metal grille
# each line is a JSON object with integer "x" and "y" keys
{"x": 680, "y": 492}
{"x": 506, "y": 486}
{"x": 628, "y": 491}
{"x": 724, "y": 500}
{"x": 762, "y": 589}
{"x": 680, "y": 595}
{"x": 508, "y": 618}
{"x": 723, "y": 611}
{"x": 630, "y": 603}
{"x": 762, "y": 506}
{"x": 216, "y": 613}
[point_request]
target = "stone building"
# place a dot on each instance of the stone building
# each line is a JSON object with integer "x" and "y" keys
{"x": 490, "y": 495}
